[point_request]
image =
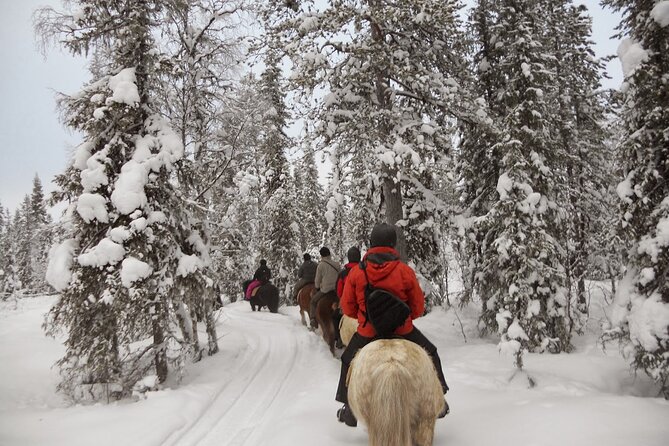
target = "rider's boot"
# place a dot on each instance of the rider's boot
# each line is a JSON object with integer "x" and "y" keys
{"x": 445, "y": 411}
{"x": 345, "y": 415}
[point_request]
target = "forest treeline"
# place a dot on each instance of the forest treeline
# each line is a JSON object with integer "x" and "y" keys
{"x": 483, "y": 134}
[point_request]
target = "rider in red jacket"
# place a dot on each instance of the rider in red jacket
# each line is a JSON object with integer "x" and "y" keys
{"x": 386, "y": 271}
{"x": 353, "y": 256}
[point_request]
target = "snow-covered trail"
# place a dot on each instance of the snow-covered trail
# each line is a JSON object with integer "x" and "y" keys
{"x": 265, "y": 379}
{"x": 273, "y": 383}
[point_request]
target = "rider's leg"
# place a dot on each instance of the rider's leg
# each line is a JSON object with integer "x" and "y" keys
{"x": 419, "y": 338}
{"x": 312, "y": 308}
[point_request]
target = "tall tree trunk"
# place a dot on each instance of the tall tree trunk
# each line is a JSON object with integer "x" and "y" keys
{"x": 392, "y": 196}
{"x": 184, "y": 324}
{"x": 212, "y": 339}
{"x": 197, "y": 353}
{"x": 392, "y": 193}
{"x": 160, "y": 350}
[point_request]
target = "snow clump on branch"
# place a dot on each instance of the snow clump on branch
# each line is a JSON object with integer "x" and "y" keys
{"x": 59, "y": 269}
{"x": 631, "y": 55}
{"x": 123, "y": 87}
{"x": 660, "y": 13}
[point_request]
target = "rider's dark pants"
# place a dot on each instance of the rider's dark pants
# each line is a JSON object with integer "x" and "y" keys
{"x": 358, "y": 342}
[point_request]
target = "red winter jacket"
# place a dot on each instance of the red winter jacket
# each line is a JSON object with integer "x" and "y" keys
{"x": 386, "y": 271}
{"x": 341, "y": 281}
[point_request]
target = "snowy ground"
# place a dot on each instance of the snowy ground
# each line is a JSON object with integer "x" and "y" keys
{"x": 273, "y": 383}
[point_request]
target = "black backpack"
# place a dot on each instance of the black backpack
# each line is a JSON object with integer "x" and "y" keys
{"x": 385, "y": 311}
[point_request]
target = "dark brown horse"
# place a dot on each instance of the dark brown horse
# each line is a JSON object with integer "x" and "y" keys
{"x": 324, "y": 312}
{"x": 266, "y": 295}
{"x": 304, "y": 299}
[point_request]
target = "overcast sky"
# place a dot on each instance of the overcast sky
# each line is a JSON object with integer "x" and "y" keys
{"x": 32, "y": 140}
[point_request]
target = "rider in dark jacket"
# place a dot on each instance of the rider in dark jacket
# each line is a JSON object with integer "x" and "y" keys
{"x": 306, "y": 274}
{"x": 263, "y": 274}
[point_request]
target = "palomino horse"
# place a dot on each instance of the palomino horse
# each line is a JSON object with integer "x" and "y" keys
{"x": 304, "y": 299}
{"x": 324, "y": 312}
{"x": 394, "y": 390}
{"x": 347, "y": 328}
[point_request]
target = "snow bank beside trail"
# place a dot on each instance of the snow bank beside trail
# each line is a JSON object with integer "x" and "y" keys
{"x": 27, "y": 381}
{"x": 273, "y": 383}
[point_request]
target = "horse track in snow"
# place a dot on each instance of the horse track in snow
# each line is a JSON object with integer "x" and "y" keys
{"x": 261, "y": 378}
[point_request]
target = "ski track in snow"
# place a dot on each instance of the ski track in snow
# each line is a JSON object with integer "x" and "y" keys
{"x": 238, "y": 407}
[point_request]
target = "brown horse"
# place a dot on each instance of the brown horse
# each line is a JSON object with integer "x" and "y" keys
{"x": 304, "y": 299}
{"x": 324, "y": 312}
{"x": 393, "y": 389}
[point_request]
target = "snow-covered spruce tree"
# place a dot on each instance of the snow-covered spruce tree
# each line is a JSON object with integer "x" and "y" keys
{"x": 521, "y": 281}
{"x": 640, "y": 316}
{"x": 391, "y": 73}
{"x": 22, "y": 239}
{"x": 310, "y": 203}
{"x": 279, "y": 236}
{"x": 580, "y": 133}
{"x": 41, "y": 237}
{"x": 5, "y": 252}
{"x": 611, "y": 244}
{"x": 11, "y": 284}
{"x": 37, "y": 203}
{"x": 478, "y": 157}
{"x": 116, "y": 273}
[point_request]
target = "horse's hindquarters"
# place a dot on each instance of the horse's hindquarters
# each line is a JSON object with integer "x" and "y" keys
{"x": 304, "y": 296}
{"x": 392, "y": 387}
{"x": 266, "y": 296}
{"x": 324, "y": 315}
{"x": 347, "y": 328}
{"x": 304, "y": 300}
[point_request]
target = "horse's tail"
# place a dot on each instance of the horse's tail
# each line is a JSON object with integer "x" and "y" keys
{"x": 391, "y": 401}
{"x": 272, "y": 298}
